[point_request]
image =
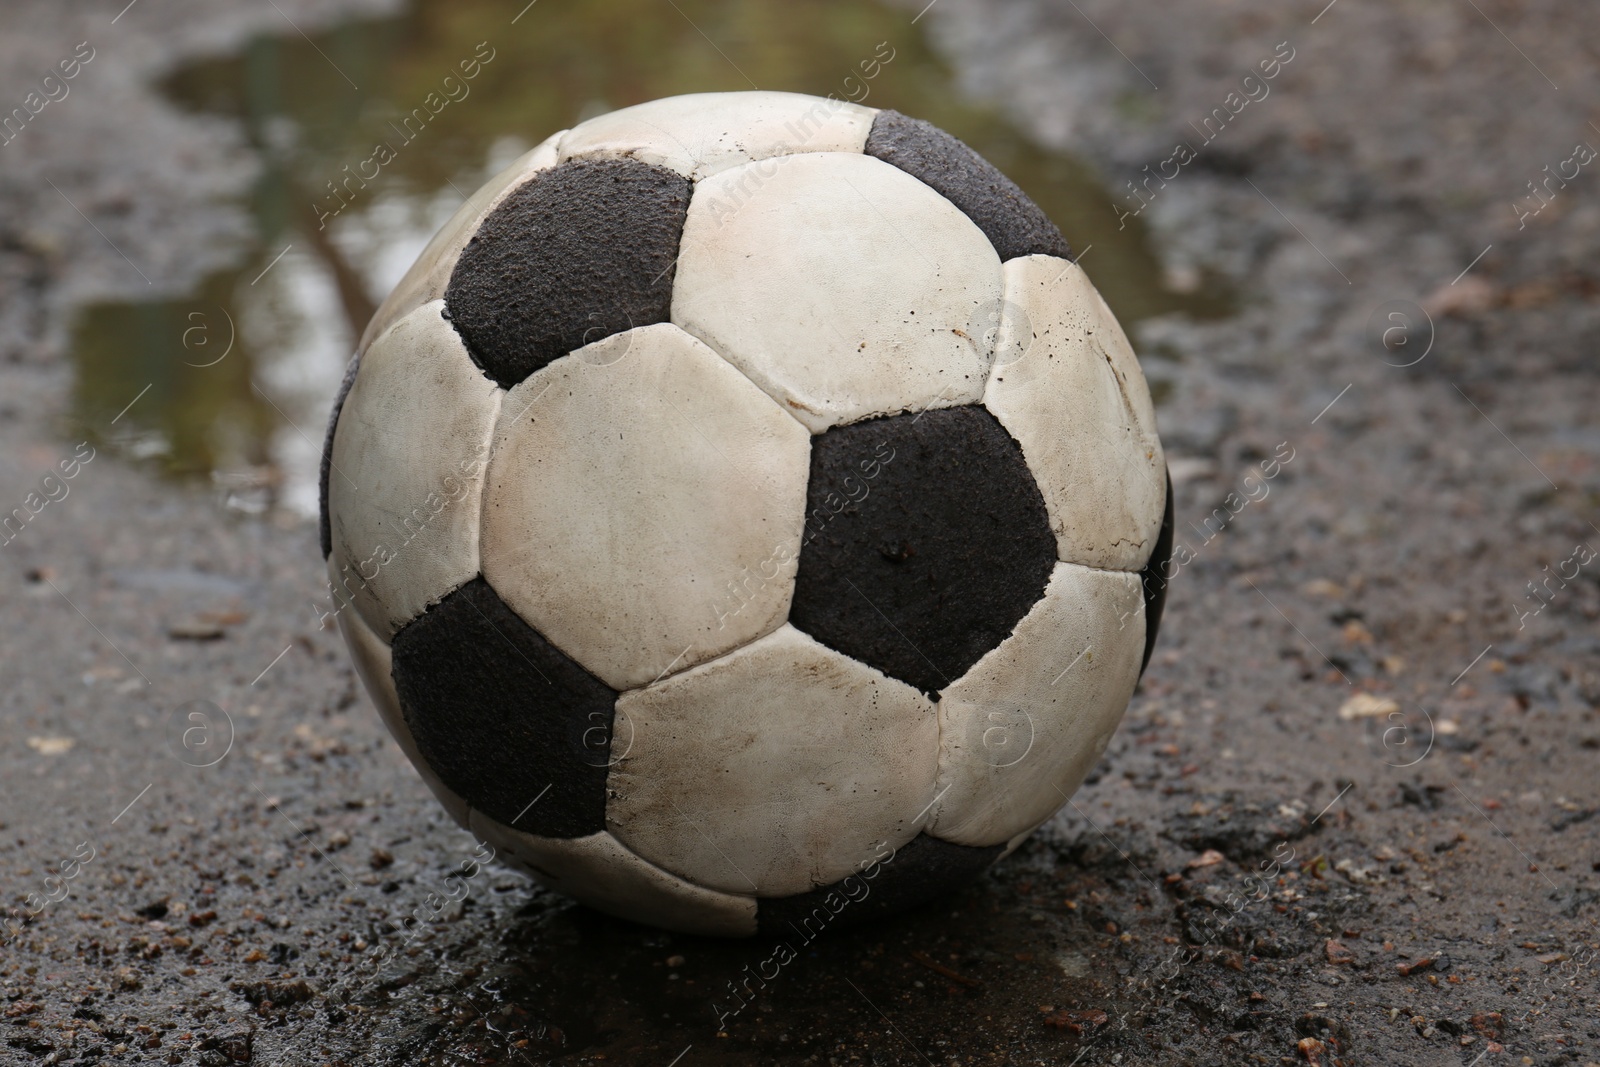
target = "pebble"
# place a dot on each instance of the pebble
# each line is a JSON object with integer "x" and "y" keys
{"x": 1367, "y": 706}
{"x": 195, "y": 630}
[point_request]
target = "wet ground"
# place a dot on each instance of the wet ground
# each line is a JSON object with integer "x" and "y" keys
{"x": 1350, "y": 815}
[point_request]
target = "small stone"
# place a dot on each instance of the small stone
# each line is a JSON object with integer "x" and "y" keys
{"x": 381, "y": 858}
{"x": 230, "y": 1046}
{"x": 1073, "y": 964}
{"x": 1367, "y": 706}
{"x": 1322, "y": 587}
{"x": 227, "y": 617}
{"x": 675, "y": 961}
{"x": 1076, "y": 1021}
{"x": 1355, "y": 633}
{"x": 1465, "y": 297}
{"x": 1190, "y": 468}
{"x": 194, "y": 630}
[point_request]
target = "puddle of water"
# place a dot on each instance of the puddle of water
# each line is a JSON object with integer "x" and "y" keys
{"x": 244, "y": 371}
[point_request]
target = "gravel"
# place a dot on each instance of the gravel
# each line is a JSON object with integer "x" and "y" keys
{"x": 1418, "y": 887}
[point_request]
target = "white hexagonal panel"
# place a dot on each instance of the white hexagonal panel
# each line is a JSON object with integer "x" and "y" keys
{"x": 703, "y": 133}
{"x": 773, "y": 770}
{"x": 645, "y": 505}
{"x": 370, "y": 654}
{"x": 1068, "y": 387}
{"x": 841, "y": 285}
{"x": 599, "y": 872}
{"x": 409, "y": 456}
{"x": 430, "y": 273}
{"x": 1020, "y": 730}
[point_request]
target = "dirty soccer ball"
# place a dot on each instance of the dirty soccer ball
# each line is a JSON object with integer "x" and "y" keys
{"x": 746, "y": 515}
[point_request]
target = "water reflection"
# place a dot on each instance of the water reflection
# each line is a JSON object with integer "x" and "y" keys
{"x": 366, "y": 148}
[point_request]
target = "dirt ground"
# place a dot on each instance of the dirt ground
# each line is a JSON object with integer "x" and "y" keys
{"x": 1349, "y": 818}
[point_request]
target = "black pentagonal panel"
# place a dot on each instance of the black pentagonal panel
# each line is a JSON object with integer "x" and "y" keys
{"x": 324, "y": 523}
{"x": 926, "y": 541}
{"x": 506, "y": 719}
{"x": 1154, "y": 580}
{"x": 576, "y": 253}
{"x": 898, "y": 879}
{"x": 1015, "y": 225}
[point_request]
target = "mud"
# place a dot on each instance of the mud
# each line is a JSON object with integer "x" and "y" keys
{"x": 1349, "y": 817}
